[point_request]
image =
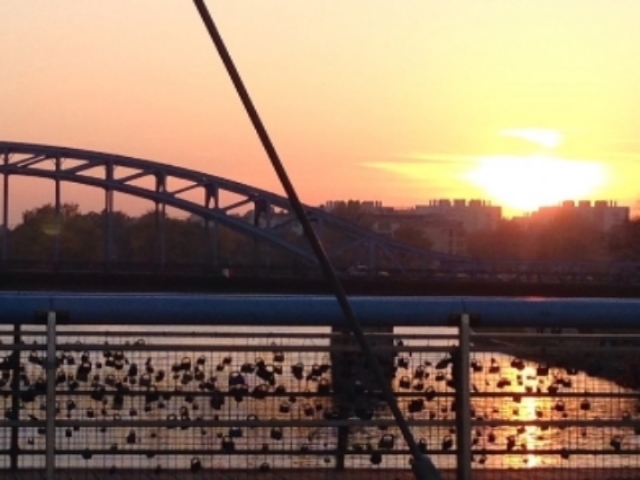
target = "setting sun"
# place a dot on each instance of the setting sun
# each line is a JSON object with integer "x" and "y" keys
{"x": 527, "y": 182}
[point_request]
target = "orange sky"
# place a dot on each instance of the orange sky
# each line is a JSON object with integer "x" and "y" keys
{"x": 394, "y": 101}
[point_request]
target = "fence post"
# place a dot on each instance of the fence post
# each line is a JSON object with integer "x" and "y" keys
{"x": 462, "y": 377}
{"x": 50, "y": 459}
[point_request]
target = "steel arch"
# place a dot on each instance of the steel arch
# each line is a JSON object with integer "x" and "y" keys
{"x": 27, "y": 159}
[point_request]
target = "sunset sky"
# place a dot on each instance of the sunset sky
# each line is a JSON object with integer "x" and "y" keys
{"x": 521, "y": 103}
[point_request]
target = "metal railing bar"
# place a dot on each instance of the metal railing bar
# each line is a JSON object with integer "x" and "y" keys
{"x": 316, "y": 423}
{"x": 558, "y": 395}
{"x": 195, "y": 394}
{"x": 257, "y": 349}
{"x": 332, "y": 452}
{"x": 556, "y": 423}
{"x": 310, "y": 395}
{"x": 574, "y": 451}
{"x": 556, "y": 336}
{"x": 250, "y": 335}
{"x": 220, "y": 451}
{"x": 194, "y": 423}
{"x": 556, "y": 351}
{"x": 101, "y": 347}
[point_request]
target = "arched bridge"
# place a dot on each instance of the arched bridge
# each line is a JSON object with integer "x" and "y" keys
{"x": 174, "y": 186}
{"x": 272, "y": 221}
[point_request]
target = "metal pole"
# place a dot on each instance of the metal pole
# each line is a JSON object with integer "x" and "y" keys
{"x": 160, "y": 214}
{"x": 422, "y": 465}
{"x": 206, "y": 238}
{"x": 163, "y": 236}
{"x": 5, "y": 212}
{"x": 216, "y": 231}
{"x": 50, "y": 440}
{"x": 58, "y": 220}
{"x": 160, "y": 234}
{"x": 212, "y": 244}
{"x": 108, "y": 233}
{"x": 267, "y": 250}
{"x": 463, "y": 400}
{"x": 108, "y": 230}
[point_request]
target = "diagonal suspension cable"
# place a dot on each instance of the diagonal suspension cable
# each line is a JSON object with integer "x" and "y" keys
{"x": 422, "y": 465}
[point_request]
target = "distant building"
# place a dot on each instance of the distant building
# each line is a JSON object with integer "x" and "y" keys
{"x": 473, "y": 215}
{"x": 444, "y": 235}
{"x": 602, "y": 214}
{"x": 365, "y": 205}
{"x": 445, "y": 223}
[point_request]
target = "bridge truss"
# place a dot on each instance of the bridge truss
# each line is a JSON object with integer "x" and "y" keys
{"x": 220, "y": 201}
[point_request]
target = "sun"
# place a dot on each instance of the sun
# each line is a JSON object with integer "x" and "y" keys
{"x": 525, "y": 183}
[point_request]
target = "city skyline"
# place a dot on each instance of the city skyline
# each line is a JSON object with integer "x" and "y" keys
{"x": 521, "y": 104}
{"x": 453, "y": 203}
{"x": 381, "y": 205}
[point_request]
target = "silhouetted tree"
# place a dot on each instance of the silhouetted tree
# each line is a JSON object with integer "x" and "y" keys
{"x": 623, "y": 241}
{"x": 508, "y": 241}
{"x": 81, "y": 238}
{"x": 413, "y": 236}
{"x": 78, "y": 236}
{"x": 569, "y": 238}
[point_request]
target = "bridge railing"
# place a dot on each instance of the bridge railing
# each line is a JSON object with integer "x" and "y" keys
{"x": 546, "y": 273}
{"x": 194, "y": 397}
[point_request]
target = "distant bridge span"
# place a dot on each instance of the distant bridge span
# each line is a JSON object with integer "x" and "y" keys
{"x": 116, "y": 173}
{"x": 169, "y": 184}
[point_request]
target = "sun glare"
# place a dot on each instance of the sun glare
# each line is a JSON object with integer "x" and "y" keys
{"x": 526, "y": 183}
{"x": 544, "y": 138}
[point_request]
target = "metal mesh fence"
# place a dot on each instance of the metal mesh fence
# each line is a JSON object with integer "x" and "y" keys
{"x": 556, "y": 400}
{"x": 268, "y": 399}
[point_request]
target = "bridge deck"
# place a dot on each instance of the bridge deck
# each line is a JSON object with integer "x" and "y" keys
{"x": 175, "y": 282}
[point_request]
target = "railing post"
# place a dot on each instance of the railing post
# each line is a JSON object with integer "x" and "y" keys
{"x": 50, "y": 459}
{"x": 462, "y": 377}
{"x": 5, "y": 212}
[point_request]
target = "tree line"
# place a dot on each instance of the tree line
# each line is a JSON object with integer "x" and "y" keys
{"x": 565, "y": 237}
{"x": 74, "y": 236}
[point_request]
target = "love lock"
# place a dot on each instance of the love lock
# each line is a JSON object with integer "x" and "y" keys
{"x": 422, "y": 445}
{"x": 196, "y": 465}
{"x": 276, "y": 433}
{"x": 324, "y": 386}
{"x": 228, "y": 445}
{"x": 386, "y": 442}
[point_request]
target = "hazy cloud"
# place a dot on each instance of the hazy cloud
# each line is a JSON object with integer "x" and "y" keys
{"x": 424, "y": 159}
{"x": 540, "y": 136}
